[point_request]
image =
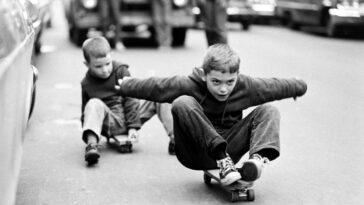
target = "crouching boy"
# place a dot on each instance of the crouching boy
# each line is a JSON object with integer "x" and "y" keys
{"x": 209, "y": 128}
{"x": 104, "y": 111}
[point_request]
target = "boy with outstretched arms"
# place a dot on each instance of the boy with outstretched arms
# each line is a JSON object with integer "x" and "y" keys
{"x": 208, "y": 123}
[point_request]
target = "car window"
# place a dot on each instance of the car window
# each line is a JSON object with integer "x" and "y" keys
{"x": 13, "y": 26}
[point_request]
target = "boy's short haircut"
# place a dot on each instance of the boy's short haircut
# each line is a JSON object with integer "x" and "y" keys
{"x": 221, "y": 57}
{"x": 97, "y": 47}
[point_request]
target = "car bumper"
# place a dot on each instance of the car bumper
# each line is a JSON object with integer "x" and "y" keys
{"x": 236, "y": 14}
{"x": 347, "y": 17}
{"x": 264, "y": 10}
{"x": 93, "y": 20}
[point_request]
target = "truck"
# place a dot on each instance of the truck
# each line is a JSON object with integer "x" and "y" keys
{"x": 135, "y": 17}
{"x": 333, "y": 15}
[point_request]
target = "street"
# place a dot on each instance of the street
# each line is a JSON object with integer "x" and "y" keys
{"x": 321, "y": 133}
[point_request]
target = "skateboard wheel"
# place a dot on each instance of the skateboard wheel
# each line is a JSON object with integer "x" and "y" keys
{"x": 250, "y": 195}
{"x": 234, "y": 196}
{"x": 125, "y": 148}
{"x": 207, "y": 179}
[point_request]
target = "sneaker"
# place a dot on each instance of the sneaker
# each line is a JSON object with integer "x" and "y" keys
{"x": 171, "y": 147}
{"x": 92, "y": 154}
{"x": 252, "y": 168}
{"x": 134, "y": 138}
{"x": 228, "y": 173}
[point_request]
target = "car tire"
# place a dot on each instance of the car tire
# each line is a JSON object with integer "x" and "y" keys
{"x": 37, "y": 47}
{"x": 179, "y": 36}
{"x": 153, "y": 41}
{"x": 290, "y": 22}
{"x": 332, "y": 30}
{"x": 245, "y": 25}
{"x": 32, "y": 102}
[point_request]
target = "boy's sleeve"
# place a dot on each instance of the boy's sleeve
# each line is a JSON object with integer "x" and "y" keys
{"x": 156, "y": 89}
{"x": 266, "y": 90}
{"x": 130, "y": 105}
{"x": 131, "y": 110}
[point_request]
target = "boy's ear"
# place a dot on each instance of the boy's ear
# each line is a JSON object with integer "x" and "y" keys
{"x": 201, "y": 73}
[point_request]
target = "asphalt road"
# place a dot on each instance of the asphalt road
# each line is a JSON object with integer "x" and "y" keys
{"x": 321, "y": 133}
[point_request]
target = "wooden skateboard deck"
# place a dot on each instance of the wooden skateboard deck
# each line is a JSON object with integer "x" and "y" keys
{"x": 239, "y": 190}
{"x": 122, "y": 143}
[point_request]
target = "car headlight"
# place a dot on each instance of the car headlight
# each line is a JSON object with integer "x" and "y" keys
{"x": 180, "y": 3}
{"x": 196, "y": 10}
{"x": 89, "y": 4}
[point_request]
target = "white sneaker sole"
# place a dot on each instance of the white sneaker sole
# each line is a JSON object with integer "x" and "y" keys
{"x": 230, "y": 178}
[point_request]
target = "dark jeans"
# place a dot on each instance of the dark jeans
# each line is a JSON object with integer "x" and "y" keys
{"x": 214, "y": 16}
{"x": 110, "y": 14}
{"x": 196, "y": 138}
{"x": 161, "y": 18}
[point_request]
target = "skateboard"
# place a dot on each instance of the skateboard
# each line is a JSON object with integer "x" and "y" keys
{"x": 122, "y": 143}
{"x": 239, "y": 190}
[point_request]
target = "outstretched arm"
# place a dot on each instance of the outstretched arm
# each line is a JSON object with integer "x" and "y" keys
{"x": 266, "y": 90}
{"x": 154, "y": 89}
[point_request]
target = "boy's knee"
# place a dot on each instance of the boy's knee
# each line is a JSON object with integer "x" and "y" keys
{"x": 94, "y": 103}
{"x": 182, "y": 103}
{"x": 269, "y": 111}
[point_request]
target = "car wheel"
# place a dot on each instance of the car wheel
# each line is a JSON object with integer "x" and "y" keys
{"x": 153, "y": 41}
{"x": 290, "y": 22}
{"x": 32, "y": 103}
{"x": 37, "y": 47}
{"x": 332, "y": 30}
{"x": 245, "y": 25}
{"x": 179, "y": 36}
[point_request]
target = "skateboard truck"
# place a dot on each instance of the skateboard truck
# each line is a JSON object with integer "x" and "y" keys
{"x": 122, "y": 143}
{"x": 239, "y": 190}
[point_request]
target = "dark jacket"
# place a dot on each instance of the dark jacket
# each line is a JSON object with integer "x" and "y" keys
{"x": 125, "y": 107}
{"x": 248, "y": 92}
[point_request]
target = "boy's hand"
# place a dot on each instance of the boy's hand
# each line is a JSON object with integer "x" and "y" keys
{"x": 120, "y": 81}
{"x": 133, "y": 135}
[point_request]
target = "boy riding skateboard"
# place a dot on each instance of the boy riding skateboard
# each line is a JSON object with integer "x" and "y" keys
{"x": 209, "y": 129}
{"x": 104, "y": 111}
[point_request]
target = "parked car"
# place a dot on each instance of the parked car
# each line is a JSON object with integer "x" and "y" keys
{"x": 334, "y": 15}
{"x": 83, "y": 17}
{"x": 17, "y": 91}
{"x": 39, "y": 12}
{"x": 237, "y": 11}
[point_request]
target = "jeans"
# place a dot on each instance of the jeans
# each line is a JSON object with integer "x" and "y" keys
{"x": 214, "y": 17}
{"x": 163, "y": 110}
{"x": 99, "y": 119}
{"x": 110, "y": 14}
{"x": 196, "y": 138}
{"x": 161, "y": 18}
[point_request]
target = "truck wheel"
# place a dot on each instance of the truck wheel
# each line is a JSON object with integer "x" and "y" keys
{"x": 152, "y": 40}
{"x": 179, "y": 36}
{"x": 293, "y": 25}
{"x": 290, "y": 22}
